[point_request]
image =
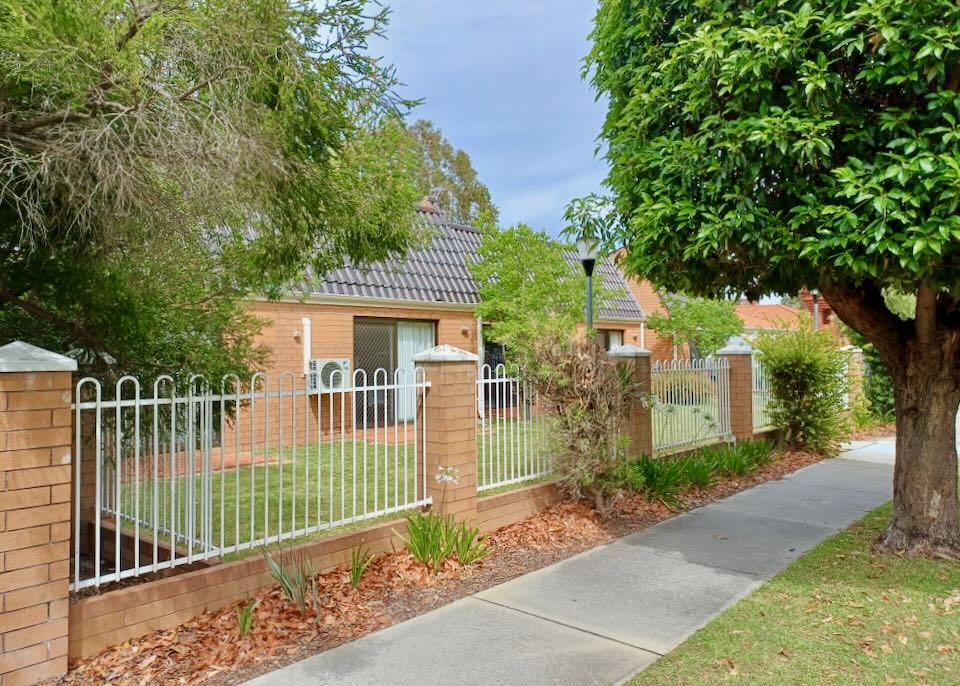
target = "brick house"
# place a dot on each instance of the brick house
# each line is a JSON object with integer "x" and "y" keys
{"x": 382, "y": 315}
{"x": 760, "y": 317}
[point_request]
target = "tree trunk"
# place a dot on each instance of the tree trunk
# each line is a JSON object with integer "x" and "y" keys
{"x": 926, "y": 517}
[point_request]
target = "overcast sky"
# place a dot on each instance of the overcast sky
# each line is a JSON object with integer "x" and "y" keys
{"x": 501, "y": 78}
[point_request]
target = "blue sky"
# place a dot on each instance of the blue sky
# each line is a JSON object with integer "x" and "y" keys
{"x": 501, "y": 78}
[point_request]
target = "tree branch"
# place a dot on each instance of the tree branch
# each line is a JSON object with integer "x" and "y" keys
{"x": 77, "y": 329}
{"x": 864, "y": 309}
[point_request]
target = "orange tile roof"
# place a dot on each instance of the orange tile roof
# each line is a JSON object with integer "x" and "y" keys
{"x": 757, "y": 316}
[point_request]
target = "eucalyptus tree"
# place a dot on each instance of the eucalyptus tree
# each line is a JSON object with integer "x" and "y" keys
{"x": 767, "y": 145}
{"x": 162, "y": 159}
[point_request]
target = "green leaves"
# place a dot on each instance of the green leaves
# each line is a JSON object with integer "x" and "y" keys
{"x": 759, "y": 146}
{"x": 163, "y": 160}
{"x": 706, "y": 323}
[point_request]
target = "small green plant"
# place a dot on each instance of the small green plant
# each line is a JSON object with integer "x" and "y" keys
{"x": 662, "y": 479}
{"x": 468, "y": 545}
{"x": 698, "y": 470}
{"x": 360, "y": 559}
{"x": 295, "y": 578}
{"x": 759, "y": 453}
{"x": 245, "y": 616}
{"x": 728, "y": 460}
{"x": 430, "y": 537}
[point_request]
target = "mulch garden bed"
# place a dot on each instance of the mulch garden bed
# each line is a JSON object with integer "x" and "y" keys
{"x": 207, "y": 650}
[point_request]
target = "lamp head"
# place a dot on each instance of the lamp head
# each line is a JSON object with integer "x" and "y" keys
{"x": 587, "y": 252}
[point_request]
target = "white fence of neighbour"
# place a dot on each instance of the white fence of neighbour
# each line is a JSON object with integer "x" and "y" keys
{"x": 761, "y": 394}
{"x": 512, "y": 431}
{"x": 176, "y": 474}
{"x": 691, "y": 403}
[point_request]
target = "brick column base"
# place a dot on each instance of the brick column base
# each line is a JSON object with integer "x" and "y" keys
{"x": 35, "y": 440}
{"x": 451, "y": 424}
{"x": 639, "y": 422}
{"x": 740, "y": 358}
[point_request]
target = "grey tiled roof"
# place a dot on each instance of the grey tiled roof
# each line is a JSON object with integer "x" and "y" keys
{"x": 436, "y": 271}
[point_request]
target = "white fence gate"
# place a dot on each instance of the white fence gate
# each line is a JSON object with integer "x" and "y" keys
{"x": 691, "y": 403}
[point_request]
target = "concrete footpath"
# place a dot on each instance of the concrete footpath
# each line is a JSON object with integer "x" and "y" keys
{"x": 604, "y": 615}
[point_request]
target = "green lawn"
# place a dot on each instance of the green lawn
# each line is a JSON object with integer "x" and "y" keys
{"x": 283, "y": 496}
{"x": 838, "y": 615}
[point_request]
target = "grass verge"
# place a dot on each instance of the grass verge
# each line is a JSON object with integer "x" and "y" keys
{"x": 838, "y": 615}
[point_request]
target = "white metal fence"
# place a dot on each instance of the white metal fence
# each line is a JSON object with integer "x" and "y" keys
{"x": 691, "y": 403}
{"x": 512, "y": 431}
{"x": 761, "y": 394}
{"x": 186, "y": 472}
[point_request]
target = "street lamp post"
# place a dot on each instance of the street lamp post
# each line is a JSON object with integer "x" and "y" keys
{"x": 587, "y": 252}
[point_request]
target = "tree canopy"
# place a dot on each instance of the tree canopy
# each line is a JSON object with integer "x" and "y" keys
{"x": 768, "y": 145}
{"x": 704, "y": 323}
{"x": 447, "y": 174}
{"x": 528, "y": 290}
{"x": 161, "y": 160}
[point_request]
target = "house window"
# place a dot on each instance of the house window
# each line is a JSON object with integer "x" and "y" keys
{"x": 390, "y": 345}
{"x": 610, "y": 338}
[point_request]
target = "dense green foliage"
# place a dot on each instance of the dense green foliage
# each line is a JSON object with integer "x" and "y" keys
{"x": 433, "y": 537}
{"x": 783, "y": 142}
{"x": 808, "y": 378}
{"x": 447, "y": 175}
{"x": 163, "y": 160}
{"x": 705, "y": 324}
{"x": 528, "y": 290}
{"x": 666, "y": 479}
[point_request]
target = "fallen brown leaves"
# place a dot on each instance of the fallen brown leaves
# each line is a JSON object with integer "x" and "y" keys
{"x": 209, "y": 650}
{"x": 561, "y": 526}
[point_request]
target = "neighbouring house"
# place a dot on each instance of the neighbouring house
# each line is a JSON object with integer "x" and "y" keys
{"x": 758, "y": 317}
{"x": 381, "y": 315}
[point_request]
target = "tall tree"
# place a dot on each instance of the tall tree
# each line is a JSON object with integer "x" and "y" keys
{"x": 160, "y": 160}
{"x": 528, "y": 290}
{"x": 447, "y": 174}
{"x": 769, "y": 145}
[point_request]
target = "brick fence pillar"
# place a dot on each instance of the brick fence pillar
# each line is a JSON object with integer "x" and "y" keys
{"x": 739, "y": 354}
{"x": 35, "y": 440}
{"x": 451, "y": 427}
{"x": 640, "y": 420}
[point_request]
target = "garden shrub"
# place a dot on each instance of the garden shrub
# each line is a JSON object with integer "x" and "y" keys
{"x": 698, "y": 471}
{"x": 665, "y": 479}
{"x": 808, "y": 379}
{"x": 591, "y": 397}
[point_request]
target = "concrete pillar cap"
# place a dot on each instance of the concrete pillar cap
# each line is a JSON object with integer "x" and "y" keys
{"x": 445, "y": 353}
{"x": 23, "y": 357}
{"x": 629, "y": 351}
{"x": 736, "y": 345}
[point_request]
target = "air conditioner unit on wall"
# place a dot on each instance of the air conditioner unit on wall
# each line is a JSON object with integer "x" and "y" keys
{"x": 322, "y": 375}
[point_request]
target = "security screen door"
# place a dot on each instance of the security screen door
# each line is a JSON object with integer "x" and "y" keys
{"x": 388, "y": 344}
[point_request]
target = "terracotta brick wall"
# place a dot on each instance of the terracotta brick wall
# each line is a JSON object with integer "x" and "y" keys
{"x": 332, "y": 336}
{"x": 35, "y": 437}
{"x": 741, "y": 394}
{"x": 451, "y": 432}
